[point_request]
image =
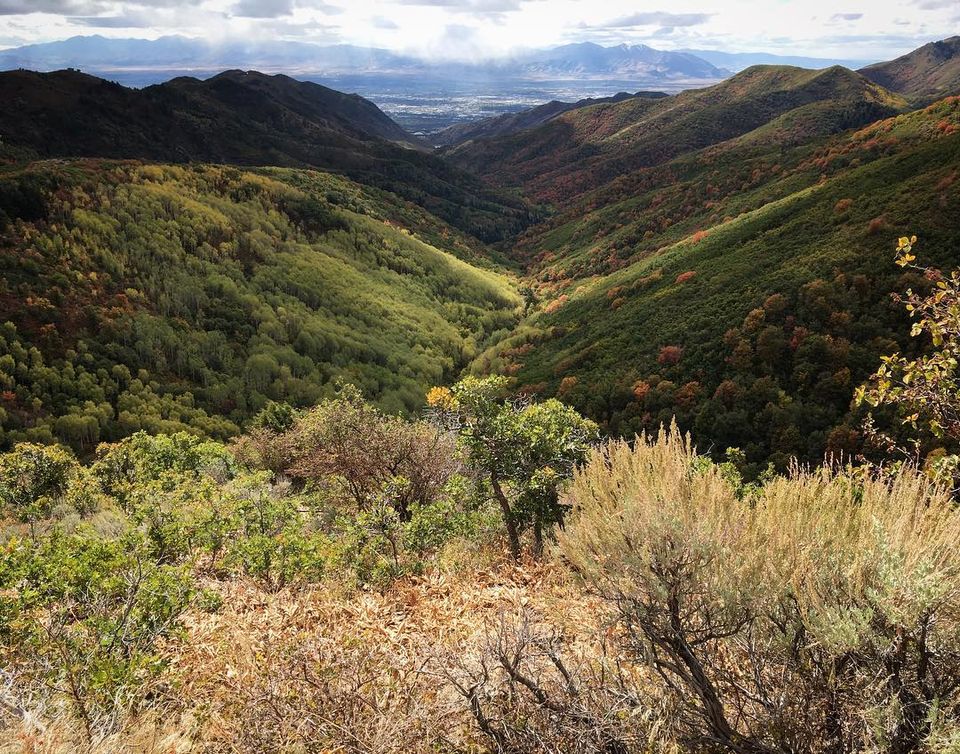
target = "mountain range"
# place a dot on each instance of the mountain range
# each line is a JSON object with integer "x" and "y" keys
{"x": 582, "y": 149}
{"x": 721, "y": 255}
{"x": 97, "y": 54}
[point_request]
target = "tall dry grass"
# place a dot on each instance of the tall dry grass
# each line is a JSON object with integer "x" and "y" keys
{"x": 681, "y": 612}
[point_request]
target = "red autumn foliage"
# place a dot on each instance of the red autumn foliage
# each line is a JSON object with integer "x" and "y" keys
{"x": 566, "y": 385}
{"x": 640, "y": 390}
{"x": 670, "y": 355}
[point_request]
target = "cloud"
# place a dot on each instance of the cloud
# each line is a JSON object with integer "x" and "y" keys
{"x": 658, "y": 18}
{"x": 312, "y": 31}
{"x": 458, "y": 42}
{"x": 124, "y": 21}
{"x": 262, "y": 8}
{"x": 469, "y": 6}
{"x": 935, "y": 4}
{"x": 379, "y": 22}
{"x": 664, "y": 31}
{"x": 323, "y": 7}
{"x": 904, "y": 41}
{"x": 63, "y": 7}
{"x": 846, "y": 17}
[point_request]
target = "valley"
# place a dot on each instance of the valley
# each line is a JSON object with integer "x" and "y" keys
{"x": 768, "y": 200}
{"x": 584, "y": 400}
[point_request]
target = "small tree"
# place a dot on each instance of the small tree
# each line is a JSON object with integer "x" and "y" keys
{"x": 364, "y": 456}
{"x": 525, "y": 450}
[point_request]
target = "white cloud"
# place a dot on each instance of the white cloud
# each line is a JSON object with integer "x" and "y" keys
{"x": 24, "y": 7}
{"x": 658, "y": 18}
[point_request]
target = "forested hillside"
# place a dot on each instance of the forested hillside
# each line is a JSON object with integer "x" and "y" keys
{"x": 245, "y": 118}
{"x": 743, "y": 289}
{"x": 584, "y": 149}
{"x": 164, "y": 298}
{"x": 297, "y": 461}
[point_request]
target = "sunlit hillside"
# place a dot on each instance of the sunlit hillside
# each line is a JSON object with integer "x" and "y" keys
{"x": 744, "y": 289}
{"x": 164, "y": 298}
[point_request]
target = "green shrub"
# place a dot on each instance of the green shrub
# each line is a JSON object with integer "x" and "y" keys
{"x": 271, "y": 542}
{"x": 82, "y": 615}
{"x": 143, "y": 458}
{"x": 34, "y": 478}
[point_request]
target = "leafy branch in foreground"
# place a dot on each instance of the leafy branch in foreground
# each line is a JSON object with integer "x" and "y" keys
{"x": 925, "y": 389}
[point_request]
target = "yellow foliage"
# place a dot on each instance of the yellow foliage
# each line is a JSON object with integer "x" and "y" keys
{"x": 442, "y": 399}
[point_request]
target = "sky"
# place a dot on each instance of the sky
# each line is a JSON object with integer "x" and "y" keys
{"x": 472, "y": 29}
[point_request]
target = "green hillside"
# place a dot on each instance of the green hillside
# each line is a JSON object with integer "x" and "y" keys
{"x": 586, "y": 148}
{"x": 722, "y": 256}
{"x": 928, "y": 72}
{"x": 247, "y": 119}
{"x": 162, "y": 297}
{"x": 743, "y": 289}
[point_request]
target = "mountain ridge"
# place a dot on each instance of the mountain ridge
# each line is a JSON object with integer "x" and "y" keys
{"x": 103, "y": 55}
{"x": 510, "y": 123}
{"x": 244, "y": 119}
{"x": 929, "y": 72}
{"x": 581, "y": 149}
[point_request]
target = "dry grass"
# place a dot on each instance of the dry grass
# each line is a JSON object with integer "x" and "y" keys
{"x": 317, "y": 669}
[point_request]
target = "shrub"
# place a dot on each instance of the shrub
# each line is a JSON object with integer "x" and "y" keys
{"x": 142, "y": 458}
{"x": 525, "y": 451}
{"x": 361, "y": 456}
{"x": 817, "y": 613}
{"x": 276, "y": 417}
{"x": 272, "y": 543}
{"x": 529, "y": 690}
{"x": 34, "y": 478}
{"x": 84, "y": 615}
